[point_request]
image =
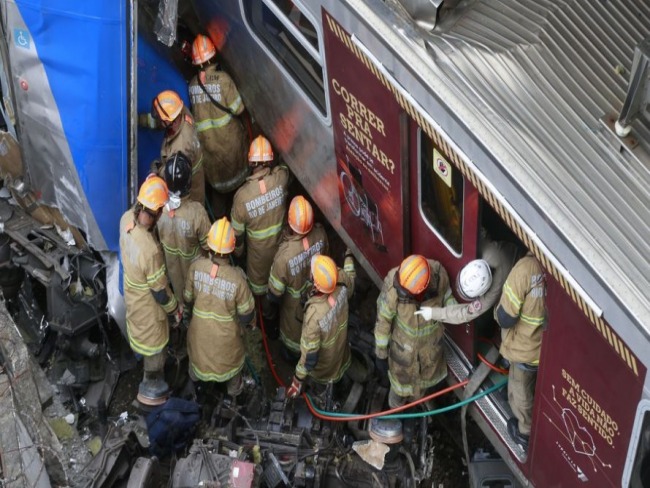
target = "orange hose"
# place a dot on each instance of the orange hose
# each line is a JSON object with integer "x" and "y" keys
{"x": 269, "y": 359}
{"x": 491, "y": 366}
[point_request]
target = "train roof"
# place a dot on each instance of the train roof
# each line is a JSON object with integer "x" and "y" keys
{"x": 535, "y": 83}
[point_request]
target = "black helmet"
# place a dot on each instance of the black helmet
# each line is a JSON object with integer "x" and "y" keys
{"x": 178, "y": 173}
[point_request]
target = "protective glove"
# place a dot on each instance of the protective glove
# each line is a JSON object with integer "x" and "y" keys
{"x": 187, "y": 315}
{"x": 176, "y": 317}
{"x": 425, "y": 312}
{"x": 295, "y": 389}
{"x": 147, "y": 120}
{"x": 381, "y": 365}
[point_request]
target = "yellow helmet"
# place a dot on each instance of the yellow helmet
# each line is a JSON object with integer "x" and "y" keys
{"x": 153, "y": 193}
{"x": 221, "y": 237}
{"x": 168, "y": 105}
{"x": 414, "y": 274}
{"x": 203, "y": 50}
{"x": 324, "y": 273}
{"x": 301, "y": 215}
{"x": 260, "y": 150}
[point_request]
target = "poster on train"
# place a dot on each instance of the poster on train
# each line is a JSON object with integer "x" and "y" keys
{"x": 365, "y": 119}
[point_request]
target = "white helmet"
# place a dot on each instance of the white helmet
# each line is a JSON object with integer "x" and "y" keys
{"x": 474, "y": 279}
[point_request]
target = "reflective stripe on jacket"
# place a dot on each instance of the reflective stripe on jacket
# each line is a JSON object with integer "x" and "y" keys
{"x": 289, "y": 278}
{"x": 524, "y": 296}
{"x": 413, "y": 346}
{"x": 183, "y": 234}
{"x": 220, "y": 295}
{"x": 143, "y": 272}
{"x": 224, "y": 139}
{"x": 325, "y": 332}
{"x": 186, "y": 140}
{"x": 258, "y": 211}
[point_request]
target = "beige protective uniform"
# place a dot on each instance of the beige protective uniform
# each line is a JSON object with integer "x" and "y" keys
{"x": 186, "y": 140}
{"x": 413, "y": 346}
{"x": 223, "y": 136}
{"x": 324, "y": 349}
{"x": 144, "y": 272}
{"x": 258, "y": 210}
{"x": 183, "y": 234}
{"x": 220, "y": 296}
{"x": 501, "y": 257}
{"x": 289, "y": 279}
{"x": 524, "y": 303}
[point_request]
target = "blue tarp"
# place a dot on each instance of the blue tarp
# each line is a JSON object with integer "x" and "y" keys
{"x": 84, "y": 51}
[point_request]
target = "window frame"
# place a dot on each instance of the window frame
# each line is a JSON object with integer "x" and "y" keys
{"x": 642, "y": 410}
{"x": 425, "y": 219}
{"x": 317, "y": 54}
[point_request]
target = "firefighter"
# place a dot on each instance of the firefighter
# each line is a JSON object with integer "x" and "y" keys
{"x": 184, "y": 224}
{"x": 180, "y": 136}
{"x": 324, "y": 350}
{"x": 150, "y": 304}
{"x": 221, "y": 305}
{"x": 521, "y": 313}
{"x": 409, "y": 348}
{"x": 217, "y": 108}
{"x": 258, "y": 210}
{"x": 289, "y": 276}
{"x": 478, "y": 283}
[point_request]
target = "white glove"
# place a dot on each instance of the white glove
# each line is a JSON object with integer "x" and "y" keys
{"x": 425, "y": 312}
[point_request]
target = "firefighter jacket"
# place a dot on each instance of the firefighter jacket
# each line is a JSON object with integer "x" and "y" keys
{"x": 524, "y": 300}
{"x": 222, "y": 134}
{"x": 324, "y": 349}
{"x": 144, "y": 274}
{"x": 258, "y": 211}
{"x": 501, "y": 257}
{"x": 183, "y": 232}
{"x": 413, "y": 346}
{"x": 289, "y": 279}
{"x": 184, "y": 139}
{"x": 221, "y": 301}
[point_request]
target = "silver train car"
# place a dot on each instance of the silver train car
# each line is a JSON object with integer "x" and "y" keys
{"x": 415, "y": 124}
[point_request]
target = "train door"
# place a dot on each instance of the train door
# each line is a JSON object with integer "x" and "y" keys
{"x": 444, "y": 215}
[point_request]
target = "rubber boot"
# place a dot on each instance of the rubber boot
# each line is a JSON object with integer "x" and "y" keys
{"x": 153, "y": 389}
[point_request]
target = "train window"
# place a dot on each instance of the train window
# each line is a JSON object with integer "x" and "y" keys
{"x": 640, "y": 472}
{"x": 293, "y": 38}
{"x": 441, "y": 193}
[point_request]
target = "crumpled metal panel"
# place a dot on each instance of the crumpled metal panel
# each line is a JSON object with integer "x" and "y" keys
{"x": 69, "y": 72}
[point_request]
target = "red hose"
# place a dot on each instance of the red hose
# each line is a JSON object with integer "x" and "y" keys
{"x": 269, "y": 359}
{"x": 385, "y": 412}
{"x": 491, "y": 366}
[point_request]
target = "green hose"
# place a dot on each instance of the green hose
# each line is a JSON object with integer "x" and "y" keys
{"x": 418, "y": 414}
